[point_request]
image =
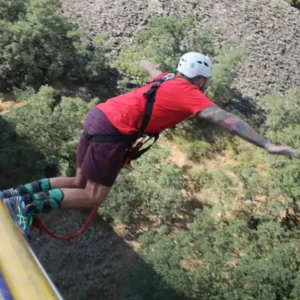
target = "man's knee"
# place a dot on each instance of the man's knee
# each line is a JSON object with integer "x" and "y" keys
{"x": 97, "y": 193}
{"x": 79, "y": 183}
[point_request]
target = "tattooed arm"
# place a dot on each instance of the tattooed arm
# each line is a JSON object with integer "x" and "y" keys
{"x": 236, "y": 126}
{"x": 233, "y": 124}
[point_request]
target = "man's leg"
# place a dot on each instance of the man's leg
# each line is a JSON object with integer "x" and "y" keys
{"x": 78, "y": 182}
{"x": 40, "y": 196}
{"x": 46, "y": 184}
{"x": 97, "y": 168}
{"x": 22, "y": 208}
{"x": 93, "y": 195}
{"x": 43, "y": 195}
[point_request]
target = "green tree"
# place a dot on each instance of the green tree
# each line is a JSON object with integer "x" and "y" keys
{"x": 12, "y": 11}
{"x": 39, "y": 46}
{"x": 215, "y": 260}
{"x": 49, "y": 125}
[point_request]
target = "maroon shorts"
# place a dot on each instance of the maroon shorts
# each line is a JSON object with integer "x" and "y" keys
{"x": 100, "y": 162}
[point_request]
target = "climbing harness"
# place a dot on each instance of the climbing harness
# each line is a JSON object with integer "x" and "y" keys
{"x": 140, "y": 138}
{"x": 137, "y": 141}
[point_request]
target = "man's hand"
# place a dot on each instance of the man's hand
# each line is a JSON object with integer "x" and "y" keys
{"x": 146, "y": 64}
{"x": 281, "y": 150}
{"x": 152, "y": 69}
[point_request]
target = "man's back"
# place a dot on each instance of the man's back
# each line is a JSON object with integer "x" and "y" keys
{"x": 175, "y": 100}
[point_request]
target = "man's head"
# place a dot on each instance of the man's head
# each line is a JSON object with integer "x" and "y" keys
{"x": 197, "y": 68}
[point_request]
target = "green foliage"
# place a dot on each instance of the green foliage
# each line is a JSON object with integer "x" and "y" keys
{"x": 282, "y": 126}
{"x": 51, "y": 126}
{"x": 223, "y": 184}
{"x": 214, "y": 260}
{"x": 200, "y": 178}
{"x": 224, "y": 73}
{"x": 253, "y": 256}
{"x": 194, "y": 150}
{"x": 39, "y": 46}
{"x": 283, "y": 117}
{"x": 162, "y": 42}
{"x": 295, "y": 3}
{"x": 151, "y": 286}
{"x": 150, "y": 188}
{"x": 18, "y": 159}
{"x": 12, "y": 10}
{"x": 252, "y": 182}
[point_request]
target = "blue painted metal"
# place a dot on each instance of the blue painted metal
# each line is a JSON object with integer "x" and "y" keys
{"x": 4, "y": 292}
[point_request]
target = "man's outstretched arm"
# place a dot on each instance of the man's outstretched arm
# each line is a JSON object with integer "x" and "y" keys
{"x": 152, "y": 69}
{"x": 237, "y": 126}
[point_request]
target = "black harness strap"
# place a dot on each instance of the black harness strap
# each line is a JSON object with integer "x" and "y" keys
{"x": 119, "y": 138}
{"x": 105, "y": 138}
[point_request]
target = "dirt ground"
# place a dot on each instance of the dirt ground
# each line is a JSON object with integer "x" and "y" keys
{"x": 88, "y": 266}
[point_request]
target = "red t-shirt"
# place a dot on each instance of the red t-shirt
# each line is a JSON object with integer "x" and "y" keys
{"x": 175, "y": 101}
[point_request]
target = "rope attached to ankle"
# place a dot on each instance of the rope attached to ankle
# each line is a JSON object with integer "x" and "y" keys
{"x": 37, "y": 222}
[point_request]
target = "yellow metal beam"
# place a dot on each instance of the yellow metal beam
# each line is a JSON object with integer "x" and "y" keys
{"x": 24, "y": 275}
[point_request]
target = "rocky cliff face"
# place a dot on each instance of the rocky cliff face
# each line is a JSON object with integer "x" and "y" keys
{"x": 268, "y": 29}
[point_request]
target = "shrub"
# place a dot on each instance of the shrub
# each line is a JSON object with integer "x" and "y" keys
{"x": 282, "y": 126}
{"x": 295, "y": 3}
{"x": 51, "y": 126}
{"x": 39, "y": 46}
{"x": 151, "y": 188}
{"x": 213, "y": 260}
{"x": 195, "y": 150}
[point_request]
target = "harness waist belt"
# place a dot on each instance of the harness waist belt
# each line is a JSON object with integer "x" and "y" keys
{"x": 116, "y": 138}
{"x": 110, "y": 138}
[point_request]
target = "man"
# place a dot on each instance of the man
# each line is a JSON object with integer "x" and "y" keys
{"x": 98, "y": 163}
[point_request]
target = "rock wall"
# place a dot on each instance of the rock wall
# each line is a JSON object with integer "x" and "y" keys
{"x": 268, "y": 29}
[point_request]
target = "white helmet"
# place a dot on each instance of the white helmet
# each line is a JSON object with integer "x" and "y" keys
{"x": 194, "y": 64}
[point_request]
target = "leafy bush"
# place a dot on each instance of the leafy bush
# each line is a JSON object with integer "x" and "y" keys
{"x": 282, "y": 126}
{"x": 200, "y": 178}
{"x": 12, "y": 11}
{"x": 17, "y": 157}
{"x": 213, "y": 260}
{"x": 194, "y": 150}
{"x": 39, "y": 46}
{"x": 252, "y": 182}
{"x": 254, "y": 256}
{"x": 51, "y": 126}
{"x": 151, "y": 188}
{"x": 295, "y": 3}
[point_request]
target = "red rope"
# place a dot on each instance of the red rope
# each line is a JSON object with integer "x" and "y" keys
{"x": 37, "y": 222}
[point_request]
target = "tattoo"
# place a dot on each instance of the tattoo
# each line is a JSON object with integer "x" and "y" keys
{"x": 233, "y": 124}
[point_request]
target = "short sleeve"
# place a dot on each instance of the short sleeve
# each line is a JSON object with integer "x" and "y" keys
{"x": 195, "y": 100}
